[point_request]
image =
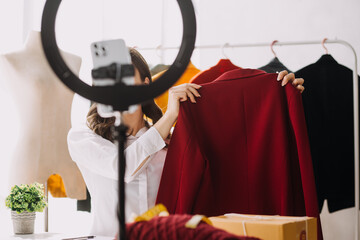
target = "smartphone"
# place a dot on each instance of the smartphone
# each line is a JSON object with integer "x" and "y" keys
{"x": 103, "y": 54}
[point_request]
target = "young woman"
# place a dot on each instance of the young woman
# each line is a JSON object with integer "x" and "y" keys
{"x": 92, "y": 148}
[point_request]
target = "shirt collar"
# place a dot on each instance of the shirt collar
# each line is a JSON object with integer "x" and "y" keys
{"x": 240, "y": 73}
{"x": 326, "y": 59}
{"x": 138, "y": 134}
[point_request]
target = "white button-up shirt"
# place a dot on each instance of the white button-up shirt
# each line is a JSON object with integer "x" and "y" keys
{"x": 97, "y": 159}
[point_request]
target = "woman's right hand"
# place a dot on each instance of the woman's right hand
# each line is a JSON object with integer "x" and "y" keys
{"x": 179, "y": 94}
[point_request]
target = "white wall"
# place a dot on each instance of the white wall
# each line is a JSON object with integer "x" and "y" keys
{"x": 239, "y": 21}
{"x": 11, "y": 39}
{"x": 146, "y": 23}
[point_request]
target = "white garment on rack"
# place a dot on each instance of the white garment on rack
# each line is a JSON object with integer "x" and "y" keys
{"x": 97, "y": 159}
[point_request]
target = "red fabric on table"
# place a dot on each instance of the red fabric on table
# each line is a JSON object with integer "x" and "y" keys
{"x": 242, "y": 148}
{"x": 173, "y": 227}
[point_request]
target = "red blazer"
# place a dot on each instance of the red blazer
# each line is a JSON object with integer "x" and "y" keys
{"x": 214, "y": 72}
{"x": 242, "y": 148}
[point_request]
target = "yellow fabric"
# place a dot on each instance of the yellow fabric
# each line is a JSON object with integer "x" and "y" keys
{"x": 56, "y": 186}
{"x": 157, "y": 210}
{"x": 195, "y": 220}
{"x": 189, "y": 73}
{"x": 160, "y": 210}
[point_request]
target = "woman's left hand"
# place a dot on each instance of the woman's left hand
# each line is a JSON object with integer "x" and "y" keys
{"x": 290, "y": 77}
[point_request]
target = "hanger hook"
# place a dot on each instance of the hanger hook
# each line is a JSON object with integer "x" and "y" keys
{"x": 271, "y": 47}
{"x": 157, "y": 51}
{"x": 323, "y": 45}
{"x": 223, "y": 49}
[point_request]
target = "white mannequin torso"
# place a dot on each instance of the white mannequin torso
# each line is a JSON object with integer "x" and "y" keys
{"x": 44, "y": 105}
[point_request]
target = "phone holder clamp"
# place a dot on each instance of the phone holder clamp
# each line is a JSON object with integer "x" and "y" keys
{"x": 114, "y": 71}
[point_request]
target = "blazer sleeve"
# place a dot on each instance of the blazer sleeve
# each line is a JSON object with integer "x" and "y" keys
{"x": 183, "y": 169}
{"x": 298, "y": 123}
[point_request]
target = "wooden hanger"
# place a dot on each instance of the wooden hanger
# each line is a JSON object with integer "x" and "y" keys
{"x": 323, "y": 45}
{"x": 272, "y": 49}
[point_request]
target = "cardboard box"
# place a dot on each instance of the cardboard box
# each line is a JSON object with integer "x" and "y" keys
{"x": 268, "y": 227}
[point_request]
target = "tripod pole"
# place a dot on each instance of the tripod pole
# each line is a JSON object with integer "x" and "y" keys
{"x": 120, "y": 134}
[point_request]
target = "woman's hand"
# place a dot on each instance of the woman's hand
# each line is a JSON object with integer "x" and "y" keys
{"x": 179, "y": 94}
{"x": 290, "y": 77}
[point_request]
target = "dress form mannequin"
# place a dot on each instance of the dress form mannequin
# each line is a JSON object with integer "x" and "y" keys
{"x": 44, "y": 106}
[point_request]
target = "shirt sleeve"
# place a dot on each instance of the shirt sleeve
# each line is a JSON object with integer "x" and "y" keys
{"x": 100, "y": 156}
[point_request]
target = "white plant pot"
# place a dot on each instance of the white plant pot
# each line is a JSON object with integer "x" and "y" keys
{"x": 23, "y": 223}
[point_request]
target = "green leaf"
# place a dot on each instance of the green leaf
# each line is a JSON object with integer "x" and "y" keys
{"x": 26, "y": 198}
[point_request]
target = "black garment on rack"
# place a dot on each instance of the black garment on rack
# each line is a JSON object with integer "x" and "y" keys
{"x": 328, "y": 106}
{"x": 84, "y": 205}
{"x": 274, "y": 66}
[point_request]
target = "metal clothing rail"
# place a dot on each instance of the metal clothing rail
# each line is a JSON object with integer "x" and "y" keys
{"x": 355, "y": 98}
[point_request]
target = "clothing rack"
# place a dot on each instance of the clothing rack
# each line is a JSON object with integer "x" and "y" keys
{"x": 355, "y": 98}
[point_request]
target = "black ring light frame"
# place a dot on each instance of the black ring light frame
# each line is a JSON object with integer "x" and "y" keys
{"x": 119, "y": 96}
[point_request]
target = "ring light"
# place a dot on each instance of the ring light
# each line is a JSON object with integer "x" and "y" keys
{"x": 119, "y": 96}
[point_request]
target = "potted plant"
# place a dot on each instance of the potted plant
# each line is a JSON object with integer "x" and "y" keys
{"x": 24, "y": 201}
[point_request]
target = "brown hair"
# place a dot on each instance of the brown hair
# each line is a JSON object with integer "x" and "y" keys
{"x": 102, "y": 126}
